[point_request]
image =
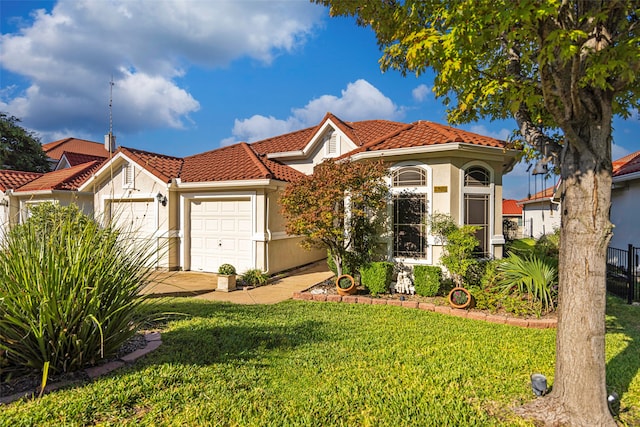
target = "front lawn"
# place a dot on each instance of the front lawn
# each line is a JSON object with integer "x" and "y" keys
{"x": 320, "y": 364}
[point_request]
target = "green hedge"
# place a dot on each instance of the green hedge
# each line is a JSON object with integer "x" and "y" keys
{"x": 376, "y": 277}
{"x": 427, "y": 279}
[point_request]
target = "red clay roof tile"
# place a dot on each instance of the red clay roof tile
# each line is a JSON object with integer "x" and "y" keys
{"x": 234, "y": 162}
{"x": 75, "y": 159}
{"x": 55, "y": 149}
{"x": 63, "y": 179}
{"x": 627, "y": 164}
{"x": 163, "y": 167}
{"x": 10, "y": 179}
{"x": 511, "y": 207}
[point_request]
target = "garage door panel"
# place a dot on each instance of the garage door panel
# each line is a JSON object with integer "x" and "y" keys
{"x": 221, "y": 233}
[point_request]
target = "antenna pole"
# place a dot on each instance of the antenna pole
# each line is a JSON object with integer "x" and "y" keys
{"x": 111, "y": 84}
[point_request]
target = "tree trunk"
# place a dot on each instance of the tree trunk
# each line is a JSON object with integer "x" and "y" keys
{"x": 579, "y": 394}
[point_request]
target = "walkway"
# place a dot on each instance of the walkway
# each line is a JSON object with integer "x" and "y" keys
{"x": 203, "y": 285}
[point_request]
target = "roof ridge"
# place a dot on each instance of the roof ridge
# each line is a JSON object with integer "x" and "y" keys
{"x": 449, "y": 131}
{"x": 135, "y": 154}
{"x": 256, "y": 160}
{"x": 381, "y": 139}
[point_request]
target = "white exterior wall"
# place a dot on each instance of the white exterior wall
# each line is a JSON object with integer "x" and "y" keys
{"x": 625, "y": 203}
{"x": 144, "y": 189}
{"x": 540, "y": 218}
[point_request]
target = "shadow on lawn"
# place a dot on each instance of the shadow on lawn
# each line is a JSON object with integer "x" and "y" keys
{"x": 624, "y": 367}
{"x": 224, "y": 332}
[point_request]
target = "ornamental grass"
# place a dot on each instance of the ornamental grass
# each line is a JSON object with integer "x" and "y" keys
{"x": 69, "y": 291}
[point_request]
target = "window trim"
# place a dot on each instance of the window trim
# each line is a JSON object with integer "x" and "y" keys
{"x": 427, "y": 190}
{"x": 484, "y": 190}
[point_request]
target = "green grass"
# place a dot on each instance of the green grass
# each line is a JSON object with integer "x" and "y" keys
{"x": 319, "y": 364}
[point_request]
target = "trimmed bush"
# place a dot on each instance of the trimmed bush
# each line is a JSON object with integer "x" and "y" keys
{"x": 376, "y": 277}
{"x": 426, "y": 279}
{"x": 226, "y": 269}
{"x": 70, "y": 291}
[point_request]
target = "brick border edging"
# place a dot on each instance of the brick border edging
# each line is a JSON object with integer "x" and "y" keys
{"x": 428, "y": 306}
{"x": 154, "y": 340}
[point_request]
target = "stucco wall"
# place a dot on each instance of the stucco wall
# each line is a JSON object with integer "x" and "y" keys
{"x": 625, "y": 202}
{"x": 144, "y": 189}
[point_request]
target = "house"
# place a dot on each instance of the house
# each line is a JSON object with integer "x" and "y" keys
{"x": 625, "y": 201}
{"x": 511, "y": 219}
{"x": 541, "y": 212}
{"x": 221, "y": 206}
{"x": 72, "y": 161}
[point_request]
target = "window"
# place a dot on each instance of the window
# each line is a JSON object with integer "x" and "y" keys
{"x": 410, "y": 211}
{"x": 476, "y": 177}
{"x": 410, "y": 177}
{"x": 477, "y": 196}
{"x": 409, "y": 228}
{"x": 127, "y": 176}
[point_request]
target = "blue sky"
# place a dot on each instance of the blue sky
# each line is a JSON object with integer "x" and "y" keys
{"x": 192, "y": 75}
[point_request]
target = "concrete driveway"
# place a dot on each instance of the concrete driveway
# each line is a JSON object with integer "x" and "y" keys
{"x": 203, "y": 285}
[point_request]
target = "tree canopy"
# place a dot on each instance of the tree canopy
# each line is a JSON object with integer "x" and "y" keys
{"x": 20, "y": 149}
{"x": 339, "y": 207}
{"x": 562, "y": 69}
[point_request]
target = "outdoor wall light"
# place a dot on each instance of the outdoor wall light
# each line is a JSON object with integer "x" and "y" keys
{"x": 162, "y": 199}
{"x": 4, "y": 202}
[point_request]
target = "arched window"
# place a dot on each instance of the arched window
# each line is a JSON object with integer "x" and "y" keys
{"x": 411, "y": 176}
{"x": 477, "y": 197}
{"x": 477, "y": 176}
{"x": 410, "y": 210}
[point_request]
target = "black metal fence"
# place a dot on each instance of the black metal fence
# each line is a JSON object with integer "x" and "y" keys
{"x": 623, "y": 272}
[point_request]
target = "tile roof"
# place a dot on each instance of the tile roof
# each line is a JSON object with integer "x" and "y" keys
{"x": 627, "y": 164}
{"x": 234, "y": 162}
{"x": 75, "y": 159}
{"x": 10, "y": 179}
{"x": 511, "y": 207}
{"x": 424, "y": 133}
{"x": 360, "y": 133}
{"x": 55, "y": 149}
{"x": 547, "y": 193}
{"x": 163, "y": 167}
{"x": 63, "y": 179}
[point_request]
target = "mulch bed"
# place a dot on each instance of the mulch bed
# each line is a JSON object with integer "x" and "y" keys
{"x": 27, "y": 383}
{"x": 437, "y": 303}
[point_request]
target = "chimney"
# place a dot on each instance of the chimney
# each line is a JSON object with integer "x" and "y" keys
{"x": 110, "y": 142}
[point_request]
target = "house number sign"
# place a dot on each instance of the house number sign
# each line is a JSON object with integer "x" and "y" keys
{"x": 440, "y": 189}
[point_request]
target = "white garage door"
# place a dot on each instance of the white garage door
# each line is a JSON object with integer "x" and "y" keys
{"x": 221, "y": 233}
{"x": 138, "y": 220}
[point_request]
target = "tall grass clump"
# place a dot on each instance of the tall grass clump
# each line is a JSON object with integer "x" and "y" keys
{"x": 69, "y": 291}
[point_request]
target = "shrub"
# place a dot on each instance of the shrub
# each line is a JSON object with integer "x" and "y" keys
{"x": 426, "y": 279}
{"x": 254, "y": 277}
{"x": 70, "y": 291}
{"x": 376, "y": 277}
{"x": 532, "y": 276}
{"x": 226, "y": 269}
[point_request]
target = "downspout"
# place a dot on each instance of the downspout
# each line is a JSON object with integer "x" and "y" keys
{"x": 268, "y": 231}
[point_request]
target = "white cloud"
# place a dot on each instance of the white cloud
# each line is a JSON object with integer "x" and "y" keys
{"x": 359, "y": 101}
{"x": 420, "y": 93}
{"x": 502, "y": 134}
{"x": 69, "y": 54}
{"x": 618, "y": 151}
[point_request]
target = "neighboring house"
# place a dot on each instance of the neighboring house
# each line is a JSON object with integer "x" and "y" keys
{"x": 222, "y": 206}
{"x": 541, "y": 212}
{"x": 72, "y": 161}
{"x": 511, "y": 219}
{"x": 625, "y": 201}
{"x": 71, "y": 148}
